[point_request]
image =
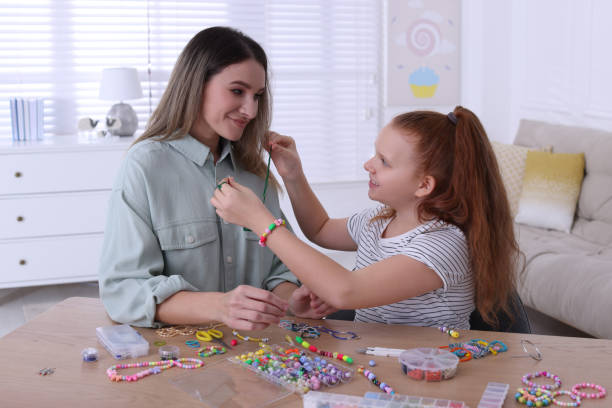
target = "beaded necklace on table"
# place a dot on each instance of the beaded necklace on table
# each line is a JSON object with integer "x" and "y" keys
{"x": 155, "y": 367}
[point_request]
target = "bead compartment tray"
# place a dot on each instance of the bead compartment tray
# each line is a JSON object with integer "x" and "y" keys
{"x": 342, "y": 373}
{"x": 428, "y": 364}
{"x": 316, "y": 399}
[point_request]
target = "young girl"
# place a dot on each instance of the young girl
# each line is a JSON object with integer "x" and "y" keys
{"x": 441, "y": 243}
{"x": 166, "y": 257}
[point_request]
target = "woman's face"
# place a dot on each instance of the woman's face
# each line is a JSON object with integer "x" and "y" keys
{"x": 230, "y": 100}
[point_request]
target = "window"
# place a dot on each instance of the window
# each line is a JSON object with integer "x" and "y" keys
{"x": 324, "y": 62}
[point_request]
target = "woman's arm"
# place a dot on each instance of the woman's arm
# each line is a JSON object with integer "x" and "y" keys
{"x": 244, "y": 308}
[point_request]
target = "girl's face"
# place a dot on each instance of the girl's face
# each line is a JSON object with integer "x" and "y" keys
{"x": 395, "y": 179}
{"x": 230, "y": 101}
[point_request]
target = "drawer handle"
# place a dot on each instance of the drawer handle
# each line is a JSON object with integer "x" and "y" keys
{"x": 22, "y": 262}
{"x": 20, "y": 218}
{"x": 18, "y": 174}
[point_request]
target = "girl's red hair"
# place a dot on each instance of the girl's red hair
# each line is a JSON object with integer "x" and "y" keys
{"x": 470, "y": 194}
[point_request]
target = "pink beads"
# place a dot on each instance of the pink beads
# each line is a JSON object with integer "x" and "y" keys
{"x": 600, "y": 394}
{"x": 156, "y": 368}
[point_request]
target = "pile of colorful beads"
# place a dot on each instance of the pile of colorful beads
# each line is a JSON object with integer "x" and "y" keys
{"x": 372, "y": 377}
{"x": 314, "y": 349}
{"x": 295, "y": 370}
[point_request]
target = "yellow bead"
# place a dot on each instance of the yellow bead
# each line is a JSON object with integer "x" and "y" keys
{"x": 305, "y": 344}
{"x": 454, "y": 333}
{"x": 345, "y": 357}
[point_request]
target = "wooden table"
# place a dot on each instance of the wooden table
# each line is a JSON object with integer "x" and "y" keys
{"x": 55, "y": 339}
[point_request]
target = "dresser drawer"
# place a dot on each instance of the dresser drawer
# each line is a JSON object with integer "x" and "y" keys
{"x": 49, "y": 261}
{"x": 56, "y": 214}
{"x": 58, "y": 171}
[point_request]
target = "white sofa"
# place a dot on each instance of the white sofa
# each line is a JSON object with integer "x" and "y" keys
{"x": 569, "y": 276}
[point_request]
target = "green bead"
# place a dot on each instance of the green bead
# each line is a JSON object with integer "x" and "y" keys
{"x": 299, "y": 339}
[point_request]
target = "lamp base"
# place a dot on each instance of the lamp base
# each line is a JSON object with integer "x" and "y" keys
{"x": 126, "y": 114}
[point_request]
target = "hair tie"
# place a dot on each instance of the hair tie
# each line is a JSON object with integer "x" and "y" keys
{"x": 451, "y": 116}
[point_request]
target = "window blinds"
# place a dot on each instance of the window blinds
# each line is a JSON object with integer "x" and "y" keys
{"x": 324, "y": 64}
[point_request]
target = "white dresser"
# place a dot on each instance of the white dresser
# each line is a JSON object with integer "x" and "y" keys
{"x": 53, "y": 200}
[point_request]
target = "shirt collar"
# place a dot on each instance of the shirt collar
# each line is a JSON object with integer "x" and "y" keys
{"x": 198, "y": 152}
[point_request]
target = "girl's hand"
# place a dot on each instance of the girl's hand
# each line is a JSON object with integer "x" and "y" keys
{"x": 250, "y": 308}
{"x": 285, "y": 156}
{"x": 239, "y": 205}
{"x": 303, "y": 303}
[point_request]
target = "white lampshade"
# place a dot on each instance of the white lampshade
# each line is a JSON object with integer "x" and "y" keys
{"x": 120, "y": 84}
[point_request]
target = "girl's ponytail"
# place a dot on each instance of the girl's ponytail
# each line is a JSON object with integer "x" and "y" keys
{"x": 470, "y": 194}
{"x": 484, "y": 211}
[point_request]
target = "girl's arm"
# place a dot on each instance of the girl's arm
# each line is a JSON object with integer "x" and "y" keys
{"x": 310, "y": 214}
{"x": 397, "y": 278}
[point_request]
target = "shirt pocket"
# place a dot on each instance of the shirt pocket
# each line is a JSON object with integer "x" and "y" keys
{"x": 187, "y": 236}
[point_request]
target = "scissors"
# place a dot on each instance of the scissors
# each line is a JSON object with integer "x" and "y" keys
{"x": 213, "y": 335}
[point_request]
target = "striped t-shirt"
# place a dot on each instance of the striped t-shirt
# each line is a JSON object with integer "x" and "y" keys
{"x": 437, "y": 244}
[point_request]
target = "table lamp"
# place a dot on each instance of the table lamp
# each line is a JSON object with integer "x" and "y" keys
{"x": 121, "y": 84}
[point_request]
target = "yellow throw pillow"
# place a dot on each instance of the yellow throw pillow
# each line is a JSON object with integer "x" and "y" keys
{"x": 511, "y": 160}
{"x": 551, "y": 186}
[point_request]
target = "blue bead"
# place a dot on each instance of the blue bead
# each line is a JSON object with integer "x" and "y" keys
{"x": 372, "y": 363}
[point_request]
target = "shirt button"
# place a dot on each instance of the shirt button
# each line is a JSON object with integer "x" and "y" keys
{"x": 190, "y": 239}
{"x": 229, "y": 259}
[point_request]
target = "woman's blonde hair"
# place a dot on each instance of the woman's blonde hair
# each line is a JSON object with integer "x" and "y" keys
{"x": 208, "y": 53}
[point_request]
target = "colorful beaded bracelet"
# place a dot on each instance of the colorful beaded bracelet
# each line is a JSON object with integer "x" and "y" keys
{"x": 527, "y": 377}
{"x": 533, "y": 397}
{"x": 575, "y": 403}
{"x": 576, "y": 390}
{"x": 155, "y": 367}
{"x": 211, "y": 351}
{"x": 264, "y": 237}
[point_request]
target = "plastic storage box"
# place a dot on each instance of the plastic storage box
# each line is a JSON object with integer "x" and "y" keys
{"x": 122, "y": 341}
{"x": 428, "y": 364}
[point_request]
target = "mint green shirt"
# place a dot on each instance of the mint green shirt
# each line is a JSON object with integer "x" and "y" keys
{"x": 163, "y": 236}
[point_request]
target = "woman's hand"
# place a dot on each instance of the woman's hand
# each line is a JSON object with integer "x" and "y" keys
{"x": 250, "y": 308}
{"x": 285, "y": 156}
{"x": 239, "y": 205}
{"x": 304, "y": 303}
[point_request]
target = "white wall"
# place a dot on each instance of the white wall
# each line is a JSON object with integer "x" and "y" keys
{"x": 546, "y": 60}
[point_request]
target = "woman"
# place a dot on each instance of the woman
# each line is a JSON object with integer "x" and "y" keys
{"x": 167, "y": 257}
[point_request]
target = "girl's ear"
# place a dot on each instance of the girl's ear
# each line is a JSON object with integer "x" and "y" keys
{"x": 428, "y": 183}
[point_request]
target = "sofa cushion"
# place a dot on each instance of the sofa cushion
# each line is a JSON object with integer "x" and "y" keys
{"x": 511, "y": 160}
{"x": 595, "y": 201}
{"x": 551, "y": 186}
{"x": 567, "y": 278}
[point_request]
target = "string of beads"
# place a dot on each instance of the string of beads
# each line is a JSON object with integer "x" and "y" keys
{"x": 374, "y": 380}
{"x": 247, "y": 338}
{"x": 211, "y": 351}
{"x": 601, "y": 394}
{"x": 314, "y": 349}
{"x": 154, "y": 367}
{"x": 527, "y": 377}
{"x": 449, "y": 330}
